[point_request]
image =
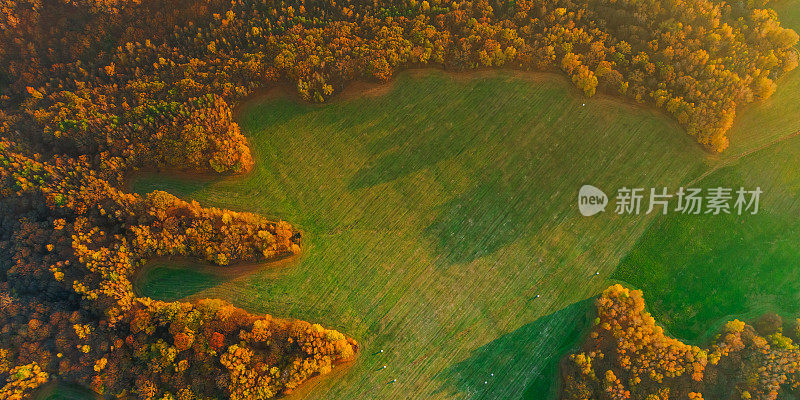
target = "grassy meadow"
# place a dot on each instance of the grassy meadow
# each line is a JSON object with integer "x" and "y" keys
{"x": 433, "y": 217}
{"x": 699, "y": 272}
{"x": 434, "y": 214}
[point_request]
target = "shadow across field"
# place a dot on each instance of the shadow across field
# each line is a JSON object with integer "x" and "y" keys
{"x": 391, "y": 188}
{"x": 514, "y": 358}
{"x": 486, "y": 218}
{"x": 415, "y": 143}
{"x": 180, "y": 278}
{"x": 174, "y": 283}
{"x": 699, "y": 271}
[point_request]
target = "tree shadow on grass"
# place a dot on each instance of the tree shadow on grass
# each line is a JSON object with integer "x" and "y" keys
{"x": 261, "y": 116}
{"x": 524, "y": 362}
{"x": 742, "y": 266}
{"x": 174, "y": 283}
{"x": 426, "y": 131}
{"x": 64, "y": 391}
{"x": 493, "y": 214}
{"x": 415, "y": 144}
{"x": 410, "y": 157}
{"x": 700, "y": 271}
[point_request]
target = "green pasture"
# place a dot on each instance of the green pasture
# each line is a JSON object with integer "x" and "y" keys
{"x": 699, "y": 272}
{"x": 433, "y": 217}
{"x": 436, "y": 213}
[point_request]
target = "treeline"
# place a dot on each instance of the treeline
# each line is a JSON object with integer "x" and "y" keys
{"x": 94, "y": 76}
{"x": 69, "y": 246}
{"x": 627, "y": 356}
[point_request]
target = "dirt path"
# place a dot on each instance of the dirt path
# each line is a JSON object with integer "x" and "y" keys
{"x": 730, "y": 160}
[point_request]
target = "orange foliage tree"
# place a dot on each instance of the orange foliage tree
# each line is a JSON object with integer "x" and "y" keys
{"x": 628, "y": 356}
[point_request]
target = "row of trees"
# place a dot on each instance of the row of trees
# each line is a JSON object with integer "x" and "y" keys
{"x": 117, "y": 81}
{"x": 627, "y": 356}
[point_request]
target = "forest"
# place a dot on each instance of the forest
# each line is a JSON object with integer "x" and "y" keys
{"x": 628, "y": 356}
{"x": 91, "y": 91}
{"x": 70, "y": 245}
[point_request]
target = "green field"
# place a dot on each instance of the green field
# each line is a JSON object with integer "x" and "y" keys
{"x": 698, "y": 273}
{"x": 434, "y": 214}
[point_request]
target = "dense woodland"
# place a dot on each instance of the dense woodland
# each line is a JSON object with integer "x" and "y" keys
{"x": 98, "y": 77}
{"x": 627, "y": 356}
{"x": 92, "y": 90}
{"x": 69, "y": 246}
